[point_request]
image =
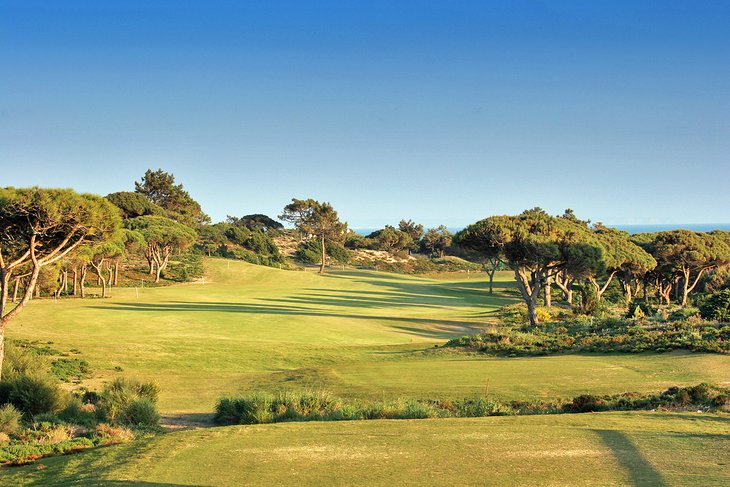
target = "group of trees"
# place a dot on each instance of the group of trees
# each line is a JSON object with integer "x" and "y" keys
{"x": 39, "y": 228}
{"x": 409, "y": 237}
{"x": 247, "y": 238}
{"x": 59, "y": 235}
{"x": 543, "y": 250}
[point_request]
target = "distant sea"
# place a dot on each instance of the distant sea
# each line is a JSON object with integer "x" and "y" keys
{"x": 632, "y": 229}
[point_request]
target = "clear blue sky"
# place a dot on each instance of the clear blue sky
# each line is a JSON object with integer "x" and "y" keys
{"x": 443, "y": 112}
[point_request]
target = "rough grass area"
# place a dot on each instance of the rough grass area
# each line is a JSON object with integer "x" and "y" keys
{"x": 586, "y": 449}
{"x": 259, "y": 408}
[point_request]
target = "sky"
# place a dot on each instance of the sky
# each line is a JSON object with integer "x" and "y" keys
{"x": 438, "y": 111}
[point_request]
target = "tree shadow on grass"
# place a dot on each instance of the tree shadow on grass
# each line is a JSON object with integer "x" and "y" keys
{"x": 88, "y": 467}
{"x": 723, "y": 420}
{"x": 630, "y": 458}
{"x": 181, "y": 421}
{"x": 429, "y": 328}
{"x": 451, "y": 297}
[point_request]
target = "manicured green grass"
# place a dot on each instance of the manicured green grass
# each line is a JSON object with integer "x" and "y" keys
{"x": 355, "y": 333}
{"x": 579, "y": 449}
{"x": 363, "y": 335}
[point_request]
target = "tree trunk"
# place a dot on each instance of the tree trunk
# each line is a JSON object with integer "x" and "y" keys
{"x": 150, "y": 261}
{"x": 324, "y": 257}
{"x": 110, "y": 270}
{"x": 688, "y": 288}
{"x": 600, "y": 290}
{"x": 530, "y": 292}
{"x": 548, "y": 289}
{"x": 4, "y": 284}
{"x": 158, "y": 272}
{"x": 82, "y": 283}
{"x": 565, "y": 284}
{"x": 629, "y": 293}
{"x": 116, "y": 273}
{"x": 99, "y": 268}
{"x": 665, "y": 292}
{"x": 15, "y": 289}
{"x": 76, "y": 282}
{"x": 2, "y": 346}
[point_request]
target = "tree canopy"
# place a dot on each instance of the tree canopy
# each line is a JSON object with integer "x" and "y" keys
{"x": 686, "y": 255}
{"x": 39, "y": 227}
{"x": 436, "y": 241}
{"x": 159, "y": 187}
{"x": 163, "y": 237}
{"x": 537, "y": 247}
{"x": 319, "y": 220}
{"x": 256, "y": 221}
{"x": 391, "y": 239}
{"x": 133, "y": 205}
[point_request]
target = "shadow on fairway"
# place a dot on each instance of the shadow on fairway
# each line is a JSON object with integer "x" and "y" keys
{"x": 180, "y": 421}
{"x": 432, "y": 328}
{"x": 630, "y": 458}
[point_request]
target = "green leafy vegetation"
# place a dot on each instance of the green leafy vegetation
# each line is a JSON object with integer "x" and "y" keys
{"x": 71, "y": 369}
{"x": 320, "y": 405}
{"x": 600, "y": 336}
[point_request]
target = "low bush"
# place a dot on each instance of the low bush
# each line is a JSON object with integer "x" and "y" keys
{"x": 310, "y": 252}
{"x": 606, "y": 335}
{"x": 141, "y": 413}
{"x": 76, "y": 412}
{"x": 717, "y": 306}
{"x": 32, "y": 394}
{"x": 9, "y": 419}
{"x": 319, "y": 406}
{"x": 126, "y": 400}
{"x": 23, "y": 454}
{"x": 106, "y": 434}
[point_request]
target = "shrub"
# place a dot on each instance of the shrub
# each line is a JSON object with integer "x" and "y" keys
{"x": 117, "y": 396}
{"x": 23, "y": 358}
{"x": 307, "y": 406}
{"x": 310, "y": 252}
{"x": 141, "y": 412}
{"x": 105, "y": 434}
{"x": 585, "y": 404}
{"x": 478, "y": 407}
{"x": 78, "y": 413}
{"x": 606, "y": 335}
{"x": 33, "y": 395}
{"x": 23, "y": 454}
{"x": 638, "y": 308}
{"x": 9, "y": 419}
{"x": 717, "y": 306}
{"x": 684, "y": 314}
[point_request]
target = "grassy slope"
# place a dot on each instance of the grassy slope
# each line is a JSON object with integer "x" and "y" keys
{"x": 355, "y": 333}
{"x": 584, "y": 449}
